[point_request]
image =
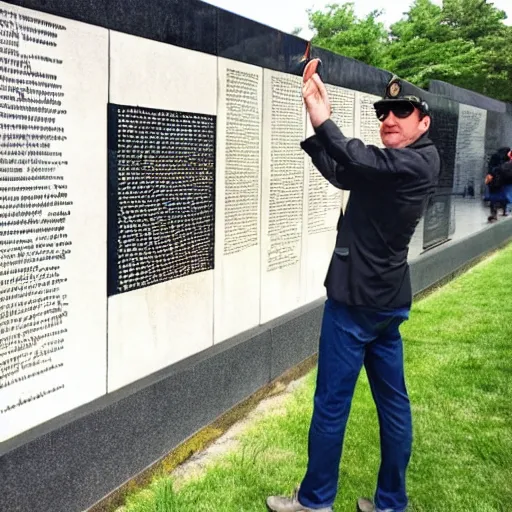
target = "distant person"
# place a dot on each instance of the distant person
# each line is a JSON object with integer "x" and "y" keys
{"x": 368, "y": 289}
{"x": 498, "y": 183}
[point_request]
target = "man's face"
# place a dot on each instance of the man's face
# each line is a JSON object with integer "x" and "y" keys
{"x": 398, "y": 132}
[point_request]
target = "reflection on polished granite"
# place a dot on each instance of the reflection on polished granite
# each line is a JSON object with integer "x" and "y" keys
{"x": 254, "y": 43}
{"x": 468, "y": 217}
{"x": 191, "y": 24}
{"x": 350, "y": 73}
{"x": 416, "y": 244}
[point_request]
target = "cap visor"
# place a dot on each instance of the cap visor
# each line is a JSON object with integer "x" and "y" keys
{"x": 394, "y": 101}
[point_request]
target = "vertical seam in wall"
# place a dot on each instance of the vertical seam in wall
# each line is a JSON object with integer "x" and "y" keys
{"x": 215, "y": 192}
{"x": 106, "y": 199}
{"x": 260, "y": 185}
{"x": 304, "y": 242}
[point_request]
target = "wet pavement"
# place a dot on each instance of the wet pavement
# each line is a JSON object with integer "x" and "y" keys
{"x": 468, "y": 217}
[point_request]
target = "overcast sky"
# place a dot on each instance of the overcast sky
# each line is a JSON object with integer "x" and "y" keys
{"x": 285, "y": 15}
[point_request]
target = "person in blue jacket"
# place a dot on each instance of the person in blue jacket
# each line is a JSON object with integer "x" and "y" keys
{"x": 368, "y": 290}
{"x": 499, "y": 183}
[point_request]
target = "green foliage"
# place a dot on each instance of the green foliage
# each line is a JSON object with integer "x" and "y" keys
{"x": 338, "y": 29}
{"x": 464, "y": 42}
{"x": 497, "y": 79}
{"x": 473, "y": 19}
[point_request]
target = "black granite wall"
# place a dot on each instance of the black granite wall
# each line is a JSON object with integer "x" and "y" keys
{"x": 499, "y": 114}
{"x": 190, "y": 24}
{"x": 443, "y": 131}
{"x": 465, "y": 96}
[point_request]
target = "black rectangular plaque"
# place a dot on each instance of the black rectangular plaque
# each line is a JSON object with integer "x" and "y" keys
{"x": 443, "y": 132}
{"x": 161, "y": 196}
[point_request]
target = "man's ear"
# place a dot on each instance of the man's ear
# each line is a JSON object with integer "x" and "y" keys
{"x": 425, "y": 124}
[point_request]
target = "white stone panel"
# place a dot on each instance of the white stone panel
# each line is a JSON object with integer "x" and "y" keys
{"x": 54, "y": 88}
{"x": 153, "y": 327}
{"x": 151, "y": 74}
{"x": 283, "y": 168}
{"x": 367, "y": 125}
{"x": 238, "y": 198}
{"x": 470, "y": 150}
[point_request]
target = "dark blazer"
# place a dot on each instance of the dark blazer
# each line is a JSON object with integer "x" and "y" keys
{"x": 502, "y": 176}
{"x": 389, "y": 189}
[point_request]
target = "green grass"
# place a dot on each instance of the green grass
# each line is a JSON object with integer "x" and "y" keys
{"x": 458, "y": 345}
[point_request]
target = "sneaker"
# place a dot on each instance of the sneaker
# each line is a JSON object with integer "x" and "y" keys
{"x": 284, "y": 504}
{"x": 366, "y": 505}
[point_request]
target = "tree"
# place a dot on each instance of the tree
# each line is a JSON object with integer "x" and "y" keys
{"x": 496, "y": 81}
{"x": 338, "y": 29}
{"x": 472, "y": 19}
{"x": 464, "y": 42}
{"x": 482, "y": 23}
{"x": 424, "y": 46}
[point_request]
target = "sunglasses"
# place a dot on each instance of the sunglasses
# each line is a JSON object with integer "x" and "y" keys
{"x": 400, "y": 111}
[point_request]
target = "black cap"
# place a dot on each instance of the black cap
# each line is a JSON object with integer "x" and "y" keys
{"x": 394, "y": 95}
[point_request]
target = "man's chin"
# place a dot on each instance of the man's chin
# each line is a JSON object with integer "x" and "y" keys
{"x": 393, "y": 141}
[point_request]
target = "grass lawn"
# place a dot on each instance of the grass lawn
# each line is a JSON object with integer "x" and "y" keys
{"x": 458, "y": 346}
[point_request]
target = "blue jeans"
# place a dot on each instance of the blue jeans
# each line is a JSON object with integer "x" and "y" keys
{"x": 350, "y": 337}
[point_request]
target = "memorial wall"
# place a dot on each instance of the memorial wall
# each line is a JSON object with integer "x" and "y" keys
{"x": 217, "y": 220}
{"x": 155, "y": 201}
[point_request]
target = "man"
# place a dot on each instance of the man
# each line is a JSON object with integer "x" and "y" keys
{"x": 368, "y": 290}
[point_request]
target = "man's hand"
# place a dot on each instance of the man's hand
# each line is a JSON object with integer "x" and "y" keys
{"x": 316, "y": 100}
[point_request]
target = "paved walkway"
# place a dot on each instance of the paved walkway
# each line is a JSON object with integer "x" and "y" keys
{"x": 468, "y": 217}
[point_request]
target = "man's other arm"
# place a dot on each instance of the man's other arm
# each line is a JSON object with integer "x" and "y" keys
{"x": 328, "y": 167}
